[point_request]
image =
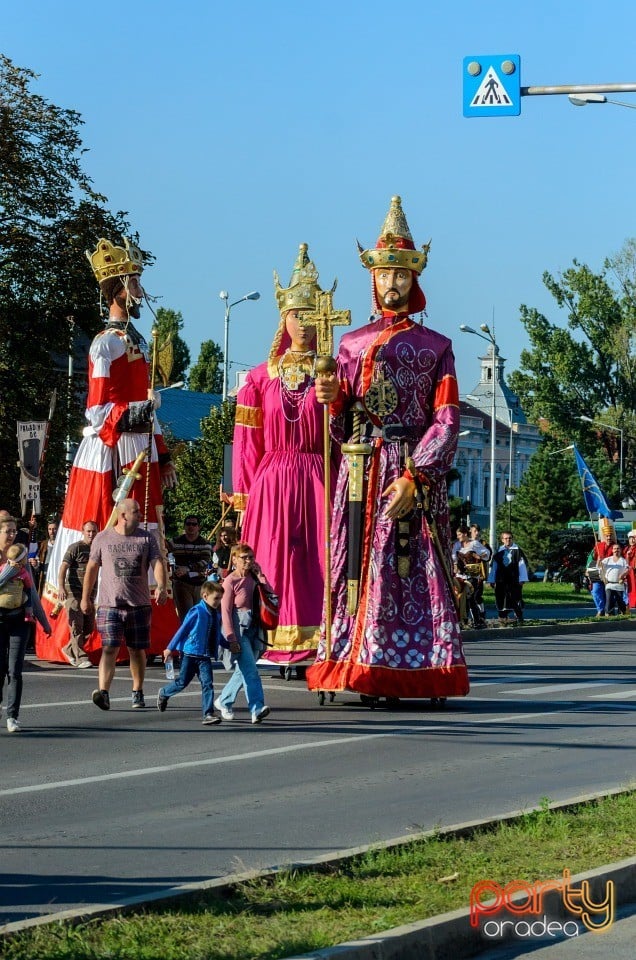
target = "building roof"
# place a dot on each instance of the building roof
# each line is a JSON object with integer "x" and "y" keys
{"x": 182, "y": 411}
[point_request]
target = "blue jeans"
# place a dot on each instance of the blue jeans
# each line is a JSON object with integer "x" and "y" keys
{"x": 598, "y": 596}
{"x": 245, "y": 670}
{"x": 192, "y": 667}
{"x": 13, "y": 641}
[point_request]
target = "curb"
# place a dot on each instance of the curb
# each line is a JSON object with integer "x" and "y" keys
{"x": 546, "y": 628}
{"x": 445, "y": 936}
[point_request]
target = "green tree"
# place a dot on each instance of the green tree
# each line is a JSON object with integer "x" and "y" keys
{"x": 169, "y": 323}
{"x": 199, "y": 468}
{"x": 550, "y": 495}
{"x": 49, "y": 216}
{"x": 206, "y": 374}
{"x": 589, "y": 368}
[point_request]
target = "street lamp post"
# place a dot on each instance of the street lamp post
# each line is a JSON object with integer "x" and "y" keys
{"x": 224, "y": 295}
{"x": 488, "y": 335}
{"x": 609, "y": 426}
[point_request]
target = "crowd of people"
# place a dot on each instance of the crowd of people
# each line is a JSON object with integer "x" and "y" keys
{"x": 364, "y": 441}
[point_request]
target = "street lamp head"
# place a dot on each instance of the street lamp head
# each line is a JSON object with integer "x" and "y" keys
{"x": 224, "y": 294}
{"x": 484, "y": 327}
{"x": 466, "y": 329}
{"x": 582, "y": 99}
{"x": 254, "y": 295}
{"x": 587, "y": 419}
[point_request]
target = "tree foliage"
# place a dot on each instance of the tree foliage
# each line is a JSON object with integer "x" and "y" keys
{"x": 49, "y": 216}
{"x": 589, "y": 367}
{"x": 550, "y": 495}
{"x": 206, "y": 374}
{"x": 199, "y": 468}
{"x": 169, "y": 324}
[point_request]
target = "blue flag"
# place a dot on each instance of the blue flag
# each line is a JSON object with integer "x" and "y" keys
{"x": 594, "y": 497}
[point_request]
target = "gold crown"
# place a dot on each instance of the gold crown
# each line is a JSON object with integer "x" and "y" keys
{"x": 395, "y": 247}
{"x": 107, "y": 260}
{"x": 303, "y": 286}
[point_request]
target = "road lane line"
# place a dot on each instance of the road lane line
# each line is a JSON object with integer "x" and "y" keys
{"x": 558, "y": 687}
{"x": 187, "y": 765}
{"x": 275, "y": 751}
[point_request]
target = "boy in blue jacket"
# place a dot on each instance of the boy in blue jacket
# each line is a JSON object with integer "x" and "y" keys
{"x": 198, "y": 639}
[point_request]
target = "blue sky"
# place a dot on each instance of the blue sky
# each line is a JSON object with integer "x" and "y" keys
{"x": 233, "y": 132}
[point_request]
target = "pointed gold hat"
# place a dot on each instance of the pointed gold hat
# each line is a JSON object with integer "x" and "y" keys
{"x": 395, "y": 247}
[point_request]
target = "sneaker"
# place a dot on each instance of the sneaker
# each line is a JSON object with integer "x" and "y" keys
{"x": 138, "y": 699}
{"x": 226, "y": 712}
{"x": 69, "y": 657}
{"x": 84, "y": 664}
{"x": 260, "y": 715}
{"x": 162, "y": 702}
{"x": 101, "y": 699}
{"x": 13, "y": 725}
{"x": 210, "y": 719}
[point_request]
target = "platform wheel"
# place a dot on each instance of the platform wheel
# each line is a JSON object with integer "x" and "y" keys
{"x": 288, "y": 673}
{"x": 301, "y": 673}
{"x": 438, "y": 702}
{"x": 332, "y": 696}
{"x": 321, "y": 698}
{"x": 368, "y": 701}
{"x": 392, "y": 702}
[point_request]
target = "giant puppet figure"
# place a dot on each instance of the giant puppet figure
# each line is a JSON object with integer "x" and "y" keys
{"x": 394, "y": 400}
{"x": 121, "y": 425}
{"x": 278, "y": 471}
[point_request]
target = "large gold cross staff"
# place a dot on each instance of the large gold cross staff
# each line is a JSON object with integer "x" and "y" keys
{"x": 324, "y": 318}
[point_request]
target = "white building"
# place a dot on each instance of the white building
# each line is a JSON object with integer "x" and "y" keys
{"x": 516, "y": 441}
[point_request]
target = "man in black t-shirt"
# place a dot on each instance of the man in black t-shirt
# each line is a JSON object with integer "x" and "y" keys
{"x": 69, "y": 592}
{"x": 192, "y": 557}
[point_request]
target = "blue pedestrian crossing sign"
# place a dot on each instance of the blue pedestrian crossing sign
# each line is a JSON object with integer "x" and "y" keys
{"x": 492, "y": 85}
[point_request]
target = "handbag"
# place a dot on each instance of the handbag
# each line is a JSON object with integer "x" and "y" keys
{"x": 268, "y": 607}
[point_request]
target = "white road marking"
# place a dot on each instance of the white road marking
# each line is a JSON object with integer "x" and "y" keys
{"x": 621, "y": 695}
{"x": 257, "y": 754}
{"x": 558, "y": 687}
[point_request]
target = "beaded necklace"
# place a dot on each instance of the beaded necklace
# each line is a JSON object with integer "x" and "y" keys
{"x": 298, "y": 368}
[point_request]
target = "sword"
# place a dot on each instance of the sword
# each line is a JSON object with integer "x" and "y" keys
{"x": 423, "y": 503}
{"x": 355, "y": 451}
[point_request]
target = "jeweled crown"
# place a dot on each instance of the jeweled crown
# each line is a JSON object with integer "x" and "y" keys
{"x": 395, "y": 247}
{"x": 108, "y": 260}
{"x": 303, "y": 286}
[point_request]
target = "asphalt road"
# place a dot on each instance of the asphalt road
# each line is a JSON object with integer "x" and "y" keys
{"x": 98, "y": 807}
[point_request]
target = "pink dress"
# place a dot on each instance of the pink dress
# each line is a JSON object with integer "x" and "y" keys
{"x": 278, "y": 481}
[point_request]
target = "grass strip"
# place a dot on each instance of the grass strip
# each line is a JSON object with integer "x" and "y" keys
{"x": 297, "y": 911}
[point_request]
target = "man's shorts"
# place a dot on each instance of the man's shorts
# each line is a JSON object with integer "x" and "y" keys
{"x": 129, "y": 625}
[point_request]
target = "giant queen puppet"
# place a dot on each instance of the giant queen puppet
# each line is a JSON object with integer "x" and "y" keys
{"x": 395, "y": 410}
{"x": 122, "y": 431}
{"x": 278, "y": 471}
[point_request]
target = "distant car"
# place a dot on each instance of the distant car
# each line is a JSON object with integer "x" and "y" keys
{"x": 539, "y": 573}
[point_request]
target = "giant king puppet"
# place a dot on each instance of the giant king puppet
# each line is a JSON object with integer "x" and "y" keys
{"x": 121, "y": 425}
{"x": 395, "y": 410}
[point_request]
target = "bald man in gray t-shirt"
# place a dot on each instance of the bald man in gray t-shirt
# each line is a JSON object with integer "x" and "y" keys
{"x": 124, "y": 554}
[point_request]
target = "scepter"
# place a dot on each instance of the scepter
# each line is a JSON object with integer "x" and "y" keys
{"x": 151, "y": 426}
{"x": 324, "y": 318}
